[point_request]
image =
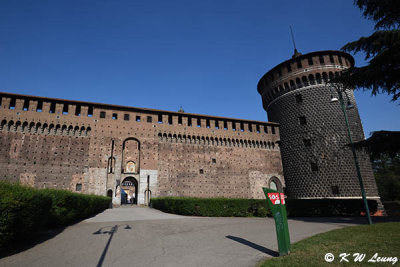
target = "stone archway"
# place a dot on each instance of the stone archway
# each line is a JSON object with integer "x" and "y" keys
{"x": 275, "y": 184}
{"x": 129, "y": 191}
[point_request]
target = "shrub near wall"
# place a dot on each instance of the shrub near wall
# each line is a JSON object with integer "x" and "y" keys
{"x": 211, "y": 207}
{"x": 25, "y": 210}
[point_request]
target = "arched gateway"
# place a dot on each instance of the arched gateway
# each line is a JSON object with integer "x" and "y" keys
{"x": 129, "y": 191}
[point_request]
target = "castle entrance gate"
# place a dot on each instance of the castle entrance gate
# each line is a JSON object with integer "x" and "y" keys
{"x": 129, "y": 191}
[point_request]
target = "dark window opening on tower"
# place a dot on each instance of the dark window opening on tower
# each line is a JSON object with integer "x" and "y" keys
{"x": 26, "y": 105}
{"x": 307, "y": 142}
{"x": 126, "y": 117}
{"x": 299, "y": 65}
{"x": 90, "y": 111}
{"x": 170, "y": 119}
{"x": 233, "y": 126}
{"x": 179, "y": 119}
{"x": 258, "y": 128}
{"x": 265, "y": 129}
{"x": 331, "y": 59}
{"x": 314, "y": 166}
{"x": 303, "y": 120}
{"x": 137, "y": 118}
{"x": 299, "y": 98}
{"x": 201, "y": 171}
{"x": 310, "y": 61}
{"x": 318, "y": 78}
{"x": 216, "y": 124}
{"x": 208, "y": 123}
{"x": 273, "y": 129}
{"x": 289, "y": 68}
{"x": 340, "y": 60}
{"x": 160, "y": 118}
{"x": 77, "y": 110}
{"x": 321, "y": 60}
{"x": 102, "y": 114}
{"x": 292, "y": 85}
{"x": 149, "y": 119}
{"x": 311, "y": 79}
{"x": 279, "y": 72}
{"x": 335, "y": 190}
{"x": 225, "y": 125}
{"x": 250, "y": 128}
{"x": 198, "y": 122}
{"x": 52, "y": 108}
{"x": 304, "y": 80}
{"x": 189, "y": 121}
{"x": 214, "y": 161}
{"x": 65, "y": 109}
{"x": 241, "y": 127}
{"x": 12, "y": 103}
{"x": 114, "y": 116}
{"x": 298, "y": 83}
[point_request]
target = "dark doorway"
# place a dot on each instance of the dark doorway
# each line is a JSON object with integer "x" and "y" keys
{"x": 129, "y": 191}
{"x": 109, "y": 193}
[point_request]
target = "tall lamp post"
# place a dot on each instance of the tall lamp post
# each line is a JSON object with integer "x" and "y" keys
{"x": 340, "y": 90}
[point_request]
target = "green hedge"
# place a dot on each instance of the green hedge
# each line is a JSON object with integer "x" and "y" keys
{"x": 223, "y": 207}
{"x": 211, "y": 207}
{"x": 25, "y": 210}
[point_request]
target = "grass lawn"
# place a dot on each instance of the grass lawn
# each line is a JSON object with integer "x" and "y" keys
{"x": 381, "y": 238}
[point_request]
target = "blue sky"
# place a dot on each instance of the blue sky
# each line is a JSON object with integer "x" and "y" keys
{"x": 206, "y": 56}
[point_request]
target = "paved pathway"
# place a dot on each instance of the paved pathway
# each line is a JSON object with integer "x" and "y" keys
{"x": 135, "y": 236}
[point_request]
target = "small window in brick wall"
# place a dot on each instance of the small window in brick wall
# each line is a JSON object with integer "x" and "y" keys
{"x": 314, "y": 167}
{"x": 299, "y": 98}
{"x": 78, "y": 187}
{"x": 114, "y": 116}
{"x": 126, "y": 117}
{"x": 137, "y": 118}
{"x": 307, "y": 142}
{"x": 149, "y": 119}
{"x": 302, "y": 120}
{"x": 201, "y": 171}
{"x": 214, "y": 160}
{"x": 102, "y": 114}
{"x": 273, "y": 129}
{"x": 335, "y": 190}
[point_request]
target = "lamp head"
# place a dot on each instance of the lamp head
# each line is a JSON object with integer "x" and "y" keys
{"x": 334, "y": 99}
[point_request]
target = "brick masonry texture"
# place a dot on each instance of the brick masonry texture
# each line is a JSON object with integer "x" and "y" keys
{"x": 96, "y": 148}
{"x": 316, "y": 156}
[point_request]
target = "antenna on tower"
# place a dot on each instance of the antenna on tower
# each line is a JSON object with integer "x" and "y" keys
{"x": 296, "y": 53}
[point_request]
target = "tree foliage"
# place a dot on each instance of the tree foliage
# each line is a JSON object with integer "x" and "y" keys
{"x": 382, "y": 50}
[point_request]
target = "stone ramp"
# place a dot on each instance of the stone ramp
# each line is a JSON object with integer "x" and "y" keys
{"x": 132, "y": 213}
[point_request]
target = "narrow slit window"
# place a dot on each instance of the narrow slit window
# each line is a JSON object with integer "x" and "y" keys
{"x": 321, "y": 60}
{"x": 289, "y": 68}
{"x": 26, "y": 105}
{"x": 265, "y": 128}
{"x": 170, "y": 119}
{"x": 310, "y": 61}
{"x": 52, "y": 108}
{"x": 331, "y": 59}
{"x": 258, "y": 128}
{"x": 302, "y": 120}
{"x": 137, "y": 118}
{"x": 180, "y": 119}
{"x": 216, "y": 124}
{"x": 65, "y": 109}
{"x": 189, "y": 121}
{"x": 39, "y": 106}
{"x": 114, "y": 116}
{"x": 241, "y": 127}
{"x": 299, "y": 65}
{"x": 273, "y": 129}
{"x": 90, "y": 111}
{"x": 233, "y": 126}
{"x": 102, "y": 114}
{"x": 12, "y": 103}
{"x": 160, "y": 118}
{"x": 126, "y": 117}
{"x": 208, "y": 123}
{"x": 149, "y": 119}
{"x": 198, "y": 122}
{"x": 225, "y": 125}
{"x": 78, "y": 110}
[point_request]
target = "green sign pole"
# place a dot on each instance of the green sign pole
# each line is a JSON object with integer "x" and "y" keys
{"x": 276, "y": 202}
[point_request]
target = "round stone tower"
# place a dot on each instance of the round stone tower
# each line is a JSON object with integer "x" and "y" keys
{"x": 316, "y": 156}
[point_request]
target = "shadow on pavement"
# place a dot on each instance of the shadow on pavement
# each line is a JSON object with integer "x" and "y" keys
{"x": 253, "y": 245}
{"x": 22, "y": 245}
{"x": 111, "y": 232}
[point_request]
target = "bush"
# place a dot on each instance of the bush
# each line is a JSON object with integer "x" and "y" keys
{"x": 328, "y": 207}
{"x": 25, "y": 210}
{"x": 211, "y": 207}
{"x": 223, "y": 207}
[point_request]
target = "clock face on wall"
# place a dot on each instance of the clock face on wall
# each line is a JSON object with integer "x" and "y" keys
{"x": 130, "y": 167}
